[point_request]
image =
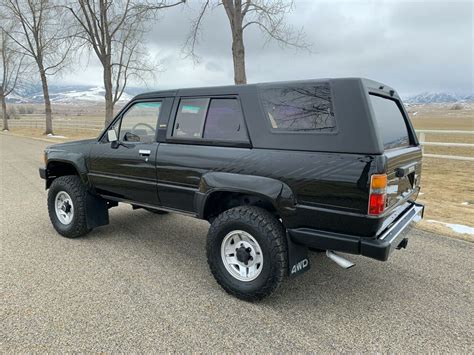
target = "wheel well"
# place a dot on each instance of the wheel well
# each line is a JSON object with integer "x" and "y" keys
{"x": 57, "y": 169}
{"x": 221, "y": 201}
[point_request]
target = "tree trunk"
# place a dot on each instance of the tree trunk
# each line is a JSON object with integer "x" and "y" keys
{"x": 47, "y": 103}
{"x": 238, "y": 56}
{"x": 4, "y": 110}
{"x": 109, "y": 104}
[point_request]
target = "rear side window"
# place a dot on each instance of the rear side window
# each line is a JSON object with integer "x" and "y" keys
{"x": 213, "y": 119}
{"x": 300, "y": 107}
{"x": 391, "y": 122}
{"x": 190, "y": 118}
{"x": 224, "y": 121}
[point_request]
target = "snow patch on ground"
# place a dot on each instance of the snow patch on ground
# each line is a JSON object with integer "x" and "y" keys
{"x": 458, "y": 228}
{"x": 55, "y": 136}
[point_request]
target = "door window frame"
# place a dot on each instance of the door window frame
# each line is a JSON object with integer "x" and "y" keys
{"x": 124, "y": 110}
{"x": 206, "y": 141}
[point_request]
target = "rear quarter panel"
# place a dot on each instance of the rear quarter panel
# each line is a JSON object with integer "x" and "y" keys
{"x": 323, "y": 184}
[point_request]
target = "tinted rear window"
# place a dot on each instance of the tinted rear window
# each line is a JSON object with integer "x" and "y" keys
{"x": 190, "y": 118}
{"x": 217, "y": 119}
{"x": 224, "y": 121}
{"x": 390, "y": 121}
{"x": 299, "y": 107}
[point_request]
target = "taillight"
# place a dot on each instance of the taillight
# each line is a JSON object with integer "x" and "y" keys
{"x": 378, "y": 193}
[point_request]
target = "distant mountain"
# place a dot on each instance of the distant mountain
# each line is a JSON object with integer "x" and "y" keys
{"x": 438, "y": 98}
{"x": 95, "y": 94}
{"x": 66, "y": 94}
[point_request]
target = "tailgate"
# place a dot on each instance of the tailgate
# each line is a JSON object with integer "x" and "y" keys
{"x": 402, "y": 152}
{"x": 403, "y": 175}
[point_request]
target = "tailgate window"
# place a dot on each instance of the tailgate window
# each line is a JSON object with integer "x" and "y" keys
{"x": 391, "y": 122}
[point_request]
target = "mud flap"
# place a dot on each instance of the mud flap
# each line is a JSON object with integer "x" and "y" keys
{"x": 97, "y": 212}
{"x": 298, "y": 260}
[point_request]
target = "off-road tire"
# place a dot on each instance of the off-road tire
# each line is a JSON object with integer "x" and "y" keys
{"x": 73, "y": 186}
{"x": 270, "y": 235}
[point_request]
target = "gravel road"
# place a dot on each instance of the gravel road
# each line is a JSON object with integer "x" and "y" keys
{"x": 142, "y": 284}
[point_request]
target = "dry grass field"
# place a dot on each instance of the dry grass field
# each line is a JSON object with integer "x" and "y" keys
{"x": 447, "y": 185}
{"x": 60, "y": 134}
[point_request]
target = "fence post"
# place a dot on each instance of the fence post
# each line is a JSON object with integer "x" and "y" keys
{"x": 422, "y": 140}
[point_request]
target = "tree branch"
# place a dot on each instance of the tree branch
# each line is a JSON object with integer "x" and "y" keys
{"x": 193, "y": 36}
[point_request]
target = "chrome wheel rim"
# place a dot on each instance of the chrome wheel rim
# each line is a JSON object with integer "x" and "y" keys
{"x": 242, "y": 255}
{"x": 64, "y": 207}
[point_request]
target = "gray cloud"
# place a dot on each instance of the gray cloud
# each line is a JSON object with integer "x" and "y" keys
{"x": 412, "y": 45}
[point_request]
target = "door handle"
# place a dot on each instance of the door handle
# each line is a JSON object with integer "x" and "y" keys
{"x": 144, "y": 152}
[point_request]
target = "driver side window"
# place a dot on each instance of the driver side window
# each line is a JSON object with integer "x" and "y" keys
{"x": 138, "y": 124}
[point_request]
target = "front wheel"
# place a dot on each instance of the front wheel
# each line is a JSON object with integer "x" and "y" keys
{"x": 67, "y": 206}
{"x": 247, "y": 252}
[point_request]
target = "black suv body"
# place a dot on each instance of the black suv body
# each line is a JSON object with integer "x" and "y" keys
{"x": 330, "y": 164}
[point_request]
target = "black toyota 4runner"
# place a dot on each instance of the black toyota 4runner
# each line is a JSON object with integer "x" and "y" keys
{"x": 276, "y": 169}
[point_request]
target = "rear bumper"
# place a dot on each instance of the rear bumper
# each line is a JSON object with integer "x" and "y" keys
{"x": 378, "y": 248}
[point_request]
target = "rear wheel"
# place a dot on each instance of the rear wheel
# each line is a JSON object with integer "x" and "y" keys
{"x": 67, "y": 206}
{"x": 247, "y": 252}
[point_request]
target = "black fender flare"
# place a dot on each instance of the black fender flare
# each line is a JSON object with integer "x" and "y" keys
{"x": 277, "y": 192}
{"x": 77, "y": 160}
{"x": 97, "y": 213}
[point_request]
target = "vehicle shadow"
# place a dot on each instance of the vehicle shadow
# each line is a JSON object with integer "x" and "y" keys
{"x": 180, "y": 241}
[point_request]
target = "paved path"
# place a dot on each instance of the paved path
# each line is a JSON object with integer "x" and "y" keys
{"x": 142, "y": 283}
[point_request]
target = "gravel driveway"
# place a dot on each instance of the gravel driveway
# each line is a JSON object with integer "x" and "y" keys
{"x": 142, "y": 284}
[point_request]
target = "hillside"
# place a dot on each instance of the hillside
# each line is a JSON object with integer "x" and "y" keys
{"x": 66, "y": 94}
{"x": 82, "y": 93}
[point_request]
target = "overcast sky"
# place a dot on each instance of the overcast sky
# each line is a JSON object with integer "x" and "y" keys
{"x": 414, "y": 46}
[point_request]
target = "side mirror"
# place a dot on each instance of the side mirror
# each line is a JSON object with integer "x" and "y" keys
{"x": 130, "y": 137}
{"x": 112, "y": 136}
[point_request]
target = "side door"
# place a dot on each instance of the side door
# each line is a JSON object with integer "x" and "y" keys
{"x": 125, "y": 169}
{"x": 204, "y": 134}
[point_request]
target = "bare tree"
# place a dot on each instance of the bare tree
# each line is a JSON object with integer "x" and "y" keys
{"x": 12, "y": 67}
{"x": 114, "y": 30}
{"x": 267, "y": 15}
{"x": 42, "y": 33}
